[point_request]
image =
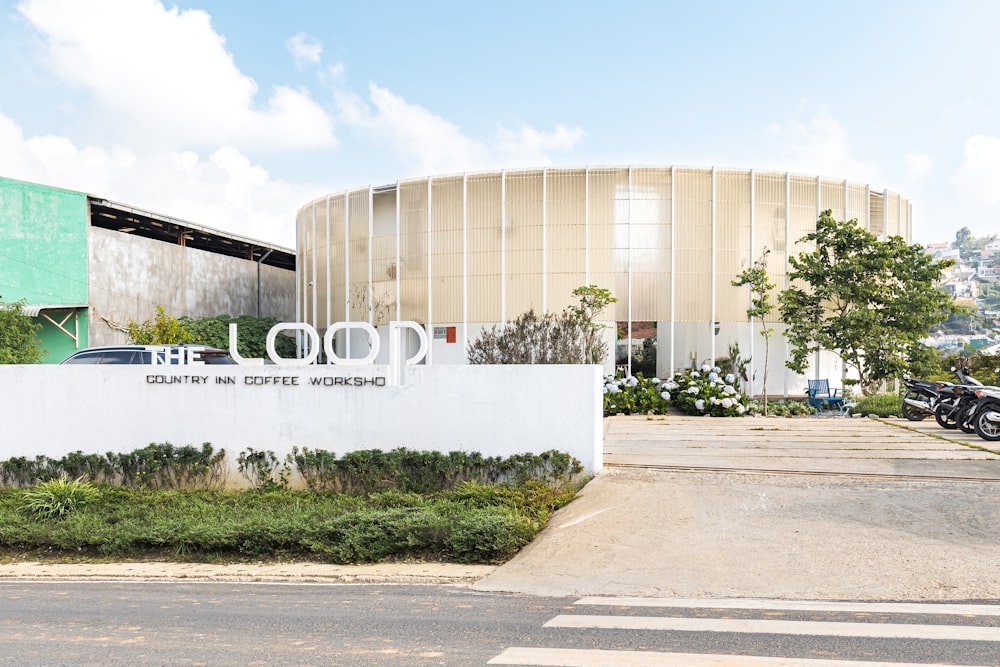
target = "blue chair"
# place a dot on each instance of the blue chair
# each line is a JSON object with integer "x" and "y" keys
{"x": 820, "y": 393}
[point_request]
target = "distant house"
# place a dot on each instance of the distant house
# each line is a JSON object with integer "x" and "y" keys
{"x": 945, "y": 253}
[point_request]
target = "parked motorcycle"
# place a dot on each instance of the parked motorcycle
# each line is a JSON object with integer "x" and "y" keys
{"x": 957, "y": 402}
{"x": 921, "y": 398}
{"x": 986, "y": 417}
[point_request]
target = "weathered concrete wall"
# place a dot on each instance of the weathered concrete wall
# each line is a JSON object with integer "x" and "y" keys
{"x": 495, "y": 410}
{"x": 130, "y": 276}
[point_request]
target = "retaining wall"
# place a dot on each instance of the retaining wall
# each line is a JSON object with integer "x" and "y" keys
{"x": 495, "y": 410}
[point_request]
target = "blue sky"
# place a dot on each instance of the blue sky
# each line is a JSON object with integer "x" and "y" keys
{"x": 233, "y": 114}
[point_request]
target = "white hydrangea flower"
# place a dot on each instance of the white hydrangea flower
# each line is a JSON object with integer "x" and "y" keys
{"x": 695, "y": 374}
{"x": 665, "y": 395}
{"x": 612, "y": 388}
{"x": 655, "y": 380}
{"x": 716, "y": 369}
{"x": 700, "y": 404}
{"x": 670, "y": 386}
{"x": 730, "y": 378}
{"x": 706, "y": 368}
{"x": 729, "y": 390}
{"x": 692, "y": 390}
{"x": 713, "y": 376}
{"x": 726, "y": 403}
{"x": 740, "y": 409}
{"x": 712, "y": 400}
{"x": 632, "y": 381}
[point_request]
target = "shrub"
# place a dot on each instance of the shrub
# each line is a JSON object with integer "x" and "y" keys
{"x": 530, "y": 339}
{"x": 783, "y": 408}
{"x": 702, "y": 392}
{"x": 883, "y": 405}
{"x": 157, "y": 465}
{"x": 410, "y": 471}
{"x": 263, "y": 469}
{"x": 635, "y": 395}
{"x": 488, "y": 536}
{"x": 57, "y": 498}
{"x": 164, "y": 466}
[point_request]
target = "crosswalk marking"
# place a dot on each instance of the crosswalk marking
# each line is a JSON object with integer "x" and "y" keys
{"x": 568, "y": 657}
{"x": 800, "y": 605}
{"x": 828, "y": 629}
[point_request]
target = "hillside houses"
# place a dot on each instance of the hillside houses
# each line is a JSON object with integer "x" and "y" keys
{"x": 973, "y": 281}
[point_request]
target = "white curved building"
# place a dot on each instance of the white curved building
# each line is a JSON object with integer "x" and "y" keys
{"x": 458, "y": 253}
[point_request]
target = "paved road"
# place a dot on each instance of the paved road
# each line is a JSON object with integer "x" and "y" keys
{"x": 128, "y": 624}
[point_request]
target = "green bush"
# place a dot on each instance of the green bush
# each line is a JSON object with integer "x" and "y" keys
{"x": 705, "y": 392}
{"x": 635, "y": 395}
{"x": 411, "y": 471}
{"x": 883, "y": 405}
{"x": 783, "y": 408}
{"x": 157, "y": 465}
{"x": 488, "y": 536}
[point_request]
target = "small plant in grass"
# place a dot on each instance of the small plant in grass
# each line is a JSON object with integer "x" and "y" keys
{"x": 263, "y": 469}
{"x": 59, "y": 497}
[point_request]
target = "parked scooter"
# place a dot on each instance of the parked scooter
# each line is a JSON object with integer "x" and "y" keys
{"x": 986, "y": 414}
{"x": 957, "y": 402}
{"x": 921, "y": 398}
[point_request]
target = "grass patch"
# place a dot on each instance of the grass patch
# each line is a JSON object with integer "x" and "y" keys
{"x": 474, "y": 523}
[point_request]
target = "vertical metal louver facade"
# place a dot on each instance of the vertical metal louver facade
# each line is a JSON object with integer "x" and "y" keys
{"x": 472, "y": 250}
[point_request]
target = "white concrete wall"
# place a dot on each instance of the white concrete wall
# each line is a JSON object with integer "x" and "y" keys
{"x": 494, "y": 410}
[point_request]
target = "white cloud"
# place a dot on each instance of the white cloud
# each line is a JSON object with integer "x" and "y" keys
{"x": 428, "y": 143}
{"x": 165, "y": 74}
{"x": 336, "y": 72}
{"x": 818, "y": 145}
{"x": 979, "y": 175}
{"x": 918, "y": 167}
{"x": 305, "y": 49}
{"x": 225, "y": 190}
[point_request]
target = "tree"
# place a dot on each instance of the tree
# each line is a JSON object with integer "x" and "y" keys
{"x": 251, "y": 334}
{"x": 760, "y": 304}
{"x": 19, "y": 342}
{"x": 963, "y": 239}
{"x": 161, "y": 330}
{"x": 593, "y": 301}
{"x": 869, "y": 301}
{"x": 966, "y": 243}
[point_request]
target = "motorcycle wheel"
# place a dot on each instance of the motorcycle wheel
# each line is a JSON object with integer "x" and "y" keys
{"x": 966, "y": 421}
{"x": 910, "y": 412}
{"x": 985, "y": 428}
{"x": 944, "y": 416}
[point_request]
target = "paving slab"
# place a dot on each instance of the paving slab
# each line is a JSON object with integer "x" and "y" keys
{"x": 828, "y": 508}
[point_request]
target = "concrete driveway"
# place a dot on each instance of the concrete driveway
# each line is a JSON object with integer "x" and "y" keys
{"x": 831, "y": 507}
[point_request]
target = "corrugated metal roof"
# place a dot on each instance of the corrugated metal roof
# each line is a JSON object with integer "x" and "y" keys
{"x": 34, "y": 309}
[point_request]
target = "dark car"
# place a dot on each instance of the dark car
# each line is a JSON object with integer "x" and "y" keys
{"x": 151, "y": 354}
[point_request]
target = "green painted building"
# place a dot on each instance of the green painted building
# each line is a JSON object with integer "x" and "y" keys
{"x": 43, "y": 261}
